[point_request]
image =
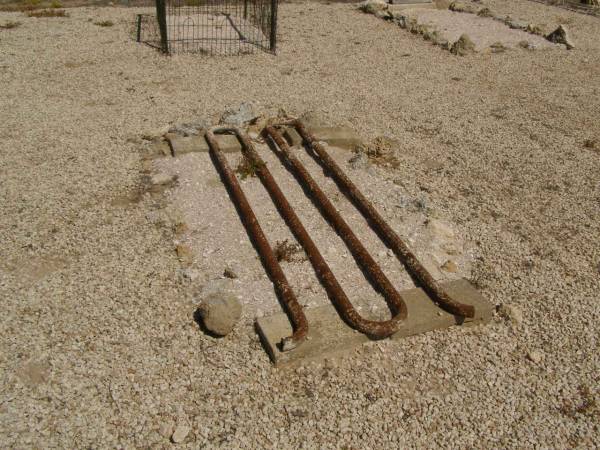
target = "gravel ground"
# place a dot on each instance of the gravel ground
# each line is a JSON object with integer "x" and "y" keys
{"x": 98, "y": 345}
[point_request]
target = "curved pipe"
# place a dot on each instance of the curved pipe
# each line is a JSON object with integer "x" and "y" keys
{"x": 375, "y": 329}
{"x": 282, "y": 287}
{"x": 383, "y": 230}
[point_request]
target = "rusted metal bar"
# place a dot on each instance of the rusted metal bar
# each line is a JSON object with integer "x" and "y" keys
{"x": 282, "y": 287}
{"x": 374, "y": 329}
{"x": 384, "y": 231}
{"x": 378, "y": 279}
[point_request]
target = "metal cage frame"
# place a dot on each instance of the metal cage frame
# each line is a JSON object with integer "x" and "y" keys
{"x": 210, "y": 27}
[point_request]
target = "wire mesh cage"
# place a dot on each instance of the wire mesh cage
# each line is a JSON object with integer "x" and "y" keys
{"x": 210, "y": 27}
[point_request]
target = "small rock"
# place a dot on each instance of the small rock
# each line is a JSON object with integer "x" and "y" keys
{"x": 244, "y": 114}
{"x": 359, "y": 161}
{"x": 161, "y": 179}
{"x": 461, "y": 7}
{"x": 517, "y": 25}
{"x": 463, "y": 46}
{"x": 450, "y": 266}
{"x": 180, "y": 433}
{"x": 561, "y": 36}
{"x": 535, "y": 356}
{"x": 512, "y": 313}
{"x": 190, "y": 274}
{"x": 220, "y": 312}
{"x": 372, "y": 6}
{"x": 535, "y": 29}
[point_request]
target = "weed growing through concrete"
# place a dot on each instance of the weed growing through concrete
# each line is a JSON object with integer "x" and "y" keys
{"x": 287, "y": 251}
{"x": 247, "y": 168}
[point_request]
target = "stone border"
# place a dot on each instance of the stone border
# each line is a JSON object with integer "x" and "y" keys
{"x": 463, "y": 45}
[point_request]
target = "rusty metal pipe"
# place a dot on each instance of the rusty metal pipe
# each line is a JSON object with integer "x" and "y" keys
{"x": 374, "y": 329}
{"x": 381, "y": 227}
{"x": 280, "y": 282}
{"x": 378, "y": 279}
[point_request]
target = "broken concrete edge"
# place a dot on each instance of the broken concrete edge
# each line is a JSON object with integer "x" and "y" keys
{"x": 342, "y": 137}
{"x": 329, "y": 336}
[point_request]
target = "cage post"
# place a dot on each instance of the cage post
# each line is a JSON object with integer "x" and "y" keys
{"x": 161, "y": 16}
{"x": 245, "y": 9}
{"x": 273, "y": 36}
{"x": 139, "y": 28}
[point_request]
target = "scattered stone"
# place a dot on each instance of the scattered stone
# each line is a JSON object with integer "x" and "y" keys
{"x": 527, "y": 45}
{"x": 485, "y": 12}
{"x": 372, "y": 6}
{"x": 162, "y": 179}
{"x": 512, "y": 313}
{"x": 180, "y": 433}
{"x": 220, "y": 311}
{"x": 190, "y": 274}
{"x": 450, "y": 266}
{"x": 191, "y": 128}
{"x": 360, "y": 161}
{"x": 461, "y": 7}
{"x": 517, "y": 25}
{"x": 244, "y": 114}
{"x": 561, "y": 36}
{"x": 463, "y": 46}
{"x": 498, "y": 47}
{"x": 535, "y": 356}
{"x": 535, "y": 29}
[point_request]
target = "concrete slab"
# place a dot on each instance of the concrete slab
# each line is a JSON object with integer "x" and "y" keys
{"x": 329, "y": 335}
{"x": 180, "y": 145}
{"x": 342, "y": 137}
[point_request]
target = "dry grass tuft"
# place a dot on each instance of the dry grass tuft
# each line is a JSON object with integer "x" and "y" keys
{"x": 48, "y": 13}
{"x": 104, "y": 23}
{"x": 586, "y": 406}
{"x": 10, "y": 25}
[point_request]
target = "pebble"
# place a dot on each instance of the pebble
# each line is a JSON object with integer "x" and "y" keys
{"x": 180, "y": 433}
{"x": 535, "y": 356}
{"x": 160, "y": 179}
{"x": 512, "y": 313}
{"x": 220, "y": 312}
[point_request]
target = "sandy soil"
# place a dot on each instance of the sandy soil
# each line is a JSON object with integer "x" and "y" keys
{"x": 98, "y": 345}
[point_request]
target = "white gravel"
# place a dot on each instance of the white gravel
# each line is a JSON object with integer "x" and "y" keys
{"x": 98, "y": 344}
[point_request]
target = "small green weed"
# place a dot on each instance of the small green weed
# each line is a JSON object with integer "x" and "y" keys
{"x": 247, "y": 168}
